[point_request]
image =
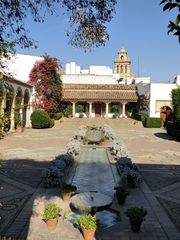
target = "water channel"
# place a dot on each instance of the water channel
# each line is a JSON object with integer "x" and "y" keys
{"x": 94, "y": 174}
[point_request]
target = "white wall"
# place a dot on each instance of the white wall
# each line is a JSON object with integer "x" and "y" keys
{"x": 20, "y": 66}
{"x": 88, "y": 79}
{"x": 145, "y": 80}
{"x": 162, "y": 92}
{"x": 101, "y": 70}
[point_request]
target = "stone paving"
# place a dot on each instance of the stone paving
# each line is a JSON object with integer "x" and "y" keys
{"x": 157, "y": 156}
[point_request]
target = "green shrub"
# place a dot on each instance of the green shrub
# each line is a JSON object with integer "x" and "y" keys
{"x": 52, "y": 122}
{"x": 68, "y": 111}
{"x": 173, "y": 130}
{"x": 40, "y": 119}
{"x": 51, "y": 211}
{"x": 136, "y": 214}
{"x": 115, "y": 115}
{"x": 176, "y": 105}
{"x": 58, "y": 115}
{"x": 87, "y": 221}
{"x": 139, "y": 117}
{"x": 68, "y": 188}
{"x": 151, "y": 122}
{"x": 81, "y": 115}
{"x": 80, "y": 108}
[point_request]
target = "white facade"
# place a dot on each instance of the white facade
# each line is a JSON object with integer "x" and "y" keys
{"x": 156, "y": 96}
{"x": 94, "y": 75}
{"x": 20, "y": 65}
{"x": 88, "y": 79}
{"x": 101, "y": 70}
{"x": 144, "y": 80}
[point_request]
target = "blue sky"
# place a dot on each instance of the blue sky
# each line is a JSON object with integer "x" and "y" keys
{"x": 139, "y": 26}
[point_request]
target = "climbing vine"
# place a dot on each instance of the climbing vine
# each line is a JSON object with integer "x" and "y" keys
{"x": 45, "y": 78}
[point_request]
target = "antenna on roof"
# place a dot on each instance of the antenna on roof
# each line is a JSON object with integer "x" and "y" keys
{"x": 138, "y": 67}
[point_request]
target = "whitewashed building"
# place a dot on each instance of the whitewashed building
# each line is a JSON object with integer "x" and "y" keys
{"x": 155, "y": 96}
{"x": 17, "y": 89}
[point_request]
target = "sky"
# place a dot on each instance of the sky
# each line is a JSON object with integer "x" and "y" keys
{"x": 139, "y": 26}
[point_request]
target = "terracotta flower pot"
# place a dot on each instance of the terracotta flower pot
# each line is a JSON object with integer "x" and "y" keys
{"x": 104, "y": 144}
{"x": 66, "y": 196}
{"x": 52, "y": 223}
{"x": 19, "y": 129}
{"x": 88, "y": 233}
{"x": 131, "y": 182}
{"x": 135, "y": 227}
{"x": 121, "y": 199}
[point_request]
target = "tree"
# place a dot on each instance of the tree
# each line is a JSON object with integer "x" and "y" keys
{"x": 174, "y": 26}
{"x": 46, "y": 80}
{"x": 87, "y": 19}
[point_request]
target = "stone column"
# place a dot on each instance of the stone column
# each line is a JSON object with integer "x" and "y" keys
{"x": 27, "y": 116}
{"x": 90, "y": 109}
{"x": 107, "y": 109}
{"x": 3, "y": 105}
{"x": 12, "y": 114}
{"x": 123, "y": 115}
{"x": 73, "y": 109}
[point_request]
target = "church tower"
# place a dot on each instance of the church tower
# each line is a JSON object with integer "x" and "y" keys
{"x": 122, "y": 65}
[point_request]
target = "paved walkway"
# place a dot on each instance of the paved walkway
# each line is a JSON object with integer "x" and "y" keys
{"x": 27, "y": 153}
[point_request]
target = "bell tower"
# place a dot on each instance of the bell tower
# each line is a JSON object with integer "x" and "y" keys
{"x": 122, "y": 65}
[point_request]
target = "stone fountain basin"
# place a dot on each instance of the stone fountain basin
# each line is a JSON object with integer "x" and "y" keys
{"x": 91, "y": 201}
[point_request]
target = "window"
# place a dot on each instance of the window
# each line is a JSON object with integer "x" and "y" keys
{"x": 117, "y": 69}
{"x": 121, "y": 69}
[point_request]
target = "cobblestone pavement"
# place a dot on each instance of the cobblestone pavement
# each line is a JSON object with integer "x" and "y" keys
{"x": 157, "y": 156}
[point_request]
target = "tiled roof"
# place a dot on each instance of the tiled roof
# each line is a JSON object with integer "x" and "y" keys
{"x": 87, "y": 92}
{"x": 100, "y": 86}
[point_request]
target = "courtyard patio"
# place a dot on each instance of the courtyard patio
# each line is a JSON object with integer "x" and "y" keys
{"x": 26, "y": 154}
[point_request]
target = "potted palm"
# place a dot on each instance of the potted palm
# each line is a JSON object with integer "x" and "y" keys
{"x": 88, "y": 224}
{"x": 121, "y": 194}
{"x": 136, "y": 216}
{"x": 51, "y": 214}
{"x": 67, "y": 190}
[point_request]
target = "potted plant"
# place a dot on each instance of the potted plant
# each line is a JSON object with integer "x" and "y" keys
{"x": 51, "y": 214}
{"x": 88, "y": 224}
{"x": 85, "y": 140}
{"x": 121, "y": 194}
{"x": 103, "y": 141}
{"x": 132, "y": 175}
{"x": 136, "y": 216}
{"x": 18, "y": 123}
{"x": 67, "y": 190}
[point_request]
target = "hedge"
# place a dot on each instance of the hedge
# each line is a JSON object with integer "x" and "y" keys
{"x": 40, "y": 119}
{"x": 58, "y": 115}
{"x": 173, "y": 130}
{"x": 139, "y": 116}
{"x": 151, "y": 122}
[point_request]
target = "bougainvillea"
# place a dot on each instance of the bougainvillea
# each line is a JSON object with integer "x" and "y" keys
{"x": 45, "y": 78}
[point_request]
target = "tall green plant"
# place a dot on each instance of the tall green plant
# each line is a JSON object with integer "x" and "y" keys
{"x": 176, "y": 105}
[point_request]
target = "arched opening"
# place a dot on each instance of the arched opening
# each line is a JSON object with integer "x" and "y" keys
{"x": 117, "y": 69}
{"x": 165, "y": 114}
{"x": 25, "y": 108}
{"x": 122, "y": 68}
{"x": 125, "y": 69}
{"x": 8, "y": 108}
{"x": 122, "y": 58}
{"x": 17, "y": 109}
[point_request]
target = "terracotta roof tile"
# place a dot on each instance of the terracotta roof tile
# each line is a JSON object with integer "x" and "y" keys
{"x": 100, "y": 86}
{"x": 100, "y": 95}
